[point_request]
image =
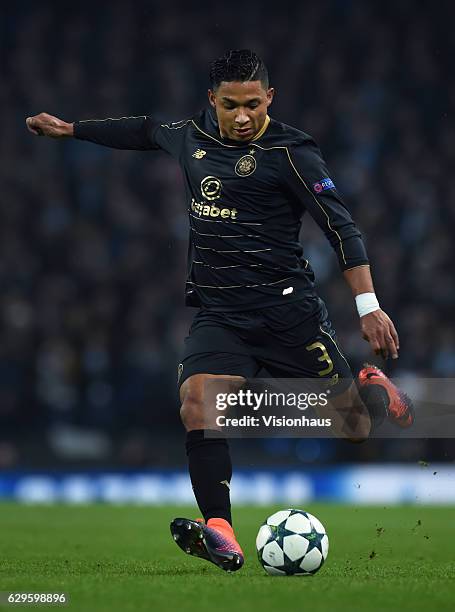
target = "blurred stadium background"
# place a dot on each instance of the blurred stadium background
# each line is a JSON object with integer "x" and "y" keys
{"x": 93, "y": 241}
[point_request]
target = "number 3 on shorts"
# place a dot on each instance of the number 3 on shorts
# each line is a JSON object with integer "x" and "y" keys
{"x": 324, "y": 357}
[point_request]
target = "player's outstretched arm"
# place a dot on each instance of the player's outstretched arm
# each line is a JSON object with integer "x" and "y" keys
{"x": 376, "y": 326}
{"x": 48, "y": 125}
{"x": 142, "y": 133}
{"x": 134, "y": 133}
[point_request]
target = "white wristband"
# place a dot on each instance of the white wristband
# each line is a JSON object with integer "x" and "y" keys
{"x": 366, "y": 303}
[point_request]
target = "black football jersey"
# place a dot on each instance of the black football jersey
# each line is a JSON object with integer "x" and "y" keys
{"x": 245, "y": 205}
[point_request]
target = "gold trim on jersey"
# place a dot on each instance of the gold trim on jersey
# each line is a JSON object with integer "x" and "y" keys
{"x": 241, "y": 286}
{"x": 224, "y": 221}
{"x": 319, "y": 204}
{"x": 359, "y": 266}
{"x": 112, "y": 118}
{"x": 233, "y": 266}
{"x": 212, "y": 138}
{"x": 336, "y": 346}
{"x": 231, "y": 251}
{"x": 175, "y": 125}
{"x": 225, "y": 235}
{"x": 263, "y": 128}
{"x": 258, "y": 135}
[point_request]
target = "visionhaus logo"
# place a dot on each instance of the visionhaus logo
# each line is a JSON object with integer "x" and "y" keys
{"x": 271, "y": 421}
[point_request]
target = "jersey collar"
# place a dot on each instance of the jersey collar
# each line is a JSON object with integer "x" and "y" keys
{"x": 215, "y": 131}
{"x": 263, "y": 129}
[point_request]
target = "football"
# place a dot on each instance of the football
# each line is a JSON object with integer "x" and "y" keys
{"x": 292, "y": 543}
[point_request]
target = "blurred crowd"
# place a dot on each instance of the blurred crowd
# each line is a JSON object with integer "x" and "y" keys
{"x": 93, "y": 241}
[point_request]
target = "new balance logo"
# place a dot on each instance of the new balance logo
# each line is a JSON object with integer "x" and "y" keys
{"x": 199, "y": 153}
{"x": 225, "y": 482}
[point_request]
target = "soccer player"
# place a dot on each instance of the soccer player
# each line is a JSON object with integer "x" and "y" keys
{"x": 249, "y": 179}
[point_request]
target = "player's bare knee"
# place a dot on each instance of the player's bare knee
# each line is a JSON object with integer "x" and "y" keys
{"x": 191, "y": 396}
{"x": 191, "y": 413}
{"x": 198, "y": 401}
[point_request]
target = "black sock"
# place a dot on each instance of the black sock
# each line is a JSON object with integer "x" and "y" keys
{"x": 376, "y": 401}
{"x": 210, "y": 468}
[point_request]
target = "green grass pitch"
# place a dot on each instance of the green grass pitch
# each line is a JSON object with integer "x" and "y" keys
{"x": 122, "y": 558}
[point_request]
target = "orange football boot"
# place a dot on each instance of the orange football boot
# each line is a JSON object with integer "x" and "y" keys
{"x": 400, "y": 410}
{"x": 214, "y": 542}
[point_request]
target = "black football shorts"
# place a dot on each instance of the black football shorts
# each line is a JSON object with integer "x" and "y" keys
{"x": 293, "y": 340}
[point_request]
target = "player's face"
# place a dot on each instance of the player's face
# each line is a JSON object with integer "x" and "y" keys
{"x": 241, "y": 108}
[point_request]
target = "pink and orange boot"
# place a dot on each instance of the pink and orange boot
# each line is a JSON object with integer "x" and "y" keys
{"x": 214, "y": 542}
{"x": 400, "y": 410}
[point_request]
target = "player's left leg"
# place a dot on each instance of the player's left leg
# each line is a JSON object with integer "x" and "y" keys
{"x": 307, "y": 348}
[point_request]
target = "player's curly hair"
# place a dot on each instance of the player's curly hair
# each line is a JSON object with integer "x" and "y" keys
{"x": 238, "y": 65}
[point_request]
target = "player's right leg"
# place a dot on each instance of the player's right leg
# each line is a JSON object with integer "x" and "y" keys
{"x": 376, "y": 387}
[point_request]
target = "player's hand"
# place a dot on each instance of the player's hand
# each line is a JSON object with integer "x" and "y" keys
{"x": 48, "y": 125}
{"x": 378, "y": 329}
